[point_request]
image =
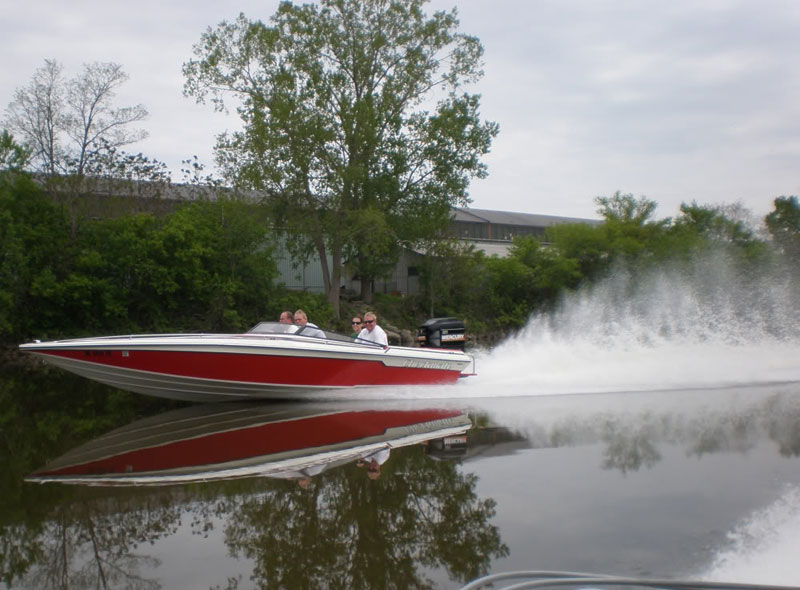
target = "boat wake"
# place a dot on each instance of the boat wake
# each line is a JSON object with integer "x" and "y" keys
{"x": 763, "y": 547}
{"x": 702, "y": 327}
{"x": 669, "y": 330}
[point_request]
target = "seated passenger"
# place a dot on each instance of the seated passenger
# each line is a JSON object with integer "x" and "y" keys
{"x": 372, "y": 332}
{"x": 305, "y": 327}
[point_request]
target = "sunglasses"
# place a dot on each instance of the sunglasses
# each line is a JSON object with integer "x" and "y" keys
{"x": 369, "y": 321}
{"x": 356, "y": 323}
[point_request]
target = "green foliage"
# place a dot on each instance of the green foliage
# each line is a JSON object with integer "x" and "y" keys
{"x": 586, "y": 244}
{"x": 628, "y": 227}
{"x": 347, "y": 531}
{"x": 376, "y": 246}
{"x": 319, "y": 311}
{"x": 784, "y": 226}
{"x": 13, "y": 156}
{"x": 42, "y": 413}
{"x": 333, "y": 129}
{"x": 33, "y": 242}
{"x": 626, "y": 209}
{"x": 221, "y": 264}
{"x": 207, "y": 267}
{"x": 450, "y": 277}
{"x": 496, "y": 295}
{"x": 712, "y": 224}
{"x": 510, "y": 292}
{"x": 529, "y": 279}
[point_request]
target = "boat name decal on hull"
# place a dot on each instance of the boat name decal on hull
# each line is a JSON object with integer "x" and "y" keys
{"x": 417, "y": 364}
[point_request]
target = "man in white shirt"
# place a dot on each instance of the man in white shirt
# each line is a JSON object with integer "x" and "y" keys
{"x": 305, "y": 327}
{"x": 373, "y": 461}
{"x": 371, "y": 331}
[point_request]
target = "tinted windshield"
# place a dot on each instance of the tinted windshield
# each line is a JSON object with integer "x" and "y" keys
{"x": 272, "y": 328}
{"x": 313, "y": 332}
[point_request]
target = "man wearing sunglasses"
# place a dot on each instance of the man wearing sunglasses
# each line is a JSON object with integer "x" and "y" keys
{"x": 371, "y": 331}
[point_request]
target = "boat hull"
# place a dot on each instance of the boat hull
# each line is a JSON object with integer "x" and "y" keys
{"x": 217, "y": 368}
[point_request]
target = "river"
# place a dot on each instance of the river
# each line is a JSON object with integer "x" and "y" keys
{"x": 653, "y": 434}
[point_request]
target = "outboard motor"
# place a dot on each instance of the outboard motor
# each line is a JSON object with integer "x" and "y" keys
{"x": 442, "y": 333}
{"x": 449, "y": 447}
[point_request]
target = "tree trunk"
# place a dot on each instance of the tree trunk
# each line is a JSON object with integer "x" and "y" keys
{"x": 366, "y": 289}
{"x": 331, "y": 275}
{"x": 333, "y": 292}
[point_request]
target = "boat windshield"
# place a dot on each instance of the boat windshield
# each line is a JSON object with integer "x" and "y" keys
{"x": 308, "y": 331}
{"x": 272, "y": 328}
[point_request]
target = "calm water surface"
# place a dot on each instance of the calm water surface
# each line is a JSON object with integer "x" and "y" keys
{"x": 700, "y": 483}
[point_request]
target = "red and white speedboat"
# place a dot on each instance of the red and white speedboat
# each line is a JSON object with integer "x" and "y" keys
{"x": 272, "y": 360}
{"x": 224, "y": 441}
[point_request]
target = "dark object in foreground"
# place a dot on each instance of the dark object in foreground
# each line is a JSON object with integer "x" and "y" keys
{"x": 551, "y": 579}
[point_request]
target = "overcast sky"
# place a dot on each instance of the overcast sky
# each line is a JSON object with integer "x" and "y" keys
{"x": 680, "y": 101}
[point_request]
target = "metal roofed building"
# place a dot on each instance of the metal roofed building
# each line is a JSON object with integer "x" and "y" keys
{"x": 491, "y": 232}
{"x": 486, "y": 224}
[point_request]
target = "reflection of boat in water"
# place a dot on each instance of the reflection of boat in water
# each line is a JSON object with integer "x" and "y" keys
{"x": 221, "y": 441}
{"x": 271, "y": 360}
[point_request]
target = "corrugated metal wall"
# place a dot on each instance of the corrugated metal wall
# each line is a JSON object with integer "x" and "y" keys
{"x": 308, "y": 277}
{"x": 303, "y": 277}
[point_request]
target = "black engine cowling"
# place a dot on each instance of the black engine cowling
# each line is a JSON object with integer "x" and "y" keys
{"x": 442, "y": 333}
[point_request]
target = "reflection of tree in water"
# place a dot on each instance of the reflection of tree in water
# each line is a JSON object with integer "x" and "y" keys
{"x": 784, "y": 427}
{"x": 94, "y": 543}
{"x": 364, "y": 533}
{"x": 347, "y": 531}
{"x": 67, "y": 537}
{"x": 631, "y": 440}
{"x": 344, "y": 530}
{"x": 723, "y": 432}
{"x": 628, "y": 449}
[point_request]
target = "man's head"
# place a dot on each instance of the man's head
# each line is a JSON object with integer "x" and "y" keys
{"x": 286, "y": 317}
{"x": 300, "y": 317}
{"x": 370, "y": 320}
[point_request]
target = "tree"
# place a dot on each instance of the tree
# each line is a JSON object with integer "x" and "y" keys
{"x": 13, "y": 156}
{"x": 74, "y": 132}
{"x": 627, "y": 209}
{"x": 584, "y": 243}
{"x": 450, "y": 277}
{"x": 528, "y": 280}
{"x": 354, "y": 123}
{"x": 32, "y": 233}
{"x": 207, "y": 266}
{"x": 347, "y": 531}
{"x": 712, "y": 223}
{"x": 630, "y": 231}
{"x": 65, "y": 122}
{"x": 784, "y": 225}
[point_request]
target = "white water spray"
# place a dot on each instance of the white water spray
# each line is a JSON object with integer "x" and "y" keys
{"x": 695, "y": 328}
{"x": 763, "y": 548}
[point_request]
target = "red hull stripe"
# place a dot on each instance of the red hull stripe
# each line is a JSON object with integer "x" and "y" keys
{"x": 260, "y": 368}
{"x": 262, "y": 440}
